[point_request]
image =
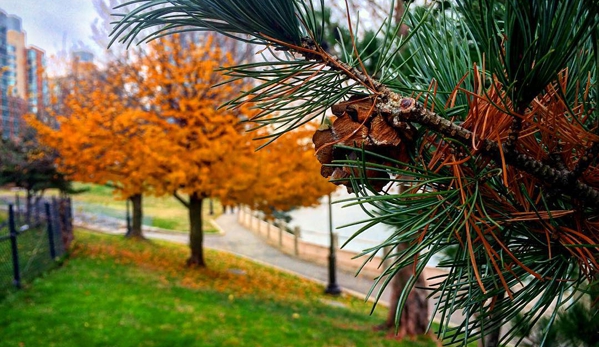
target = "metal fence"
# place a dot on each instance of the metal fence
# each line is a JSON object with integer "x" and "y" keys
{"x": 32, "y": 240}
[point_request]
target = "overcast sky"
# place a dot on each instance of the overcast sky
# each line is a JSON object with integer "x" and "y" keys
{"x": 50, "y": 24}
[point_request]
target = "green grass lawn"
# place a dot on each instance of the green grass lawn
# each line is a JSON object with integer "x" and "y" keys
{"x": 162, "y": 212}
{"x": 113, "y": 292}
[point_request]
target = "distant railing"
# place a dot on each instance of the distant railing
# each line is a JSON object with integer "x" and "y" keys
{"x": 32, "y": 240}
{"x": 322, "y": 238}
{"x": 293, "y": 241}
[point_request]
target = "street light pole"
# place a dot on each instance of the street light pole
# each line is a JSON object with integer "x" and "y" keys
{"x": 333, "y": 288}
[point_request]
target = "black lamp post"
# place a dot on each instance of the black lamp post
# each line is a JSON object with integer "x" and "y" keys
{"x": 333, "y": 288}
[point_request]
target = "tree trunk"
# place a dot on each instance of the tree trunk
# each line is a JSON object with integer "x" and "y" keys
{"x": 196, "y": 236}
{"x": 400, "y": 9}
{"x": 414, "y": 317}
{"x": 492, "y": 339}
{"x": 136, "y": 228}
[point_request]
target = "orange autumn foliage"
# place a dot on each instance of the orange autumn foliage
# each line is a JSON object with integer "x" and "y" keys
{"x": 152, "y": 124}
{"x": 199, "y": 143}
{"x": 103, "y": 133}
{"x": 283, "y": 175}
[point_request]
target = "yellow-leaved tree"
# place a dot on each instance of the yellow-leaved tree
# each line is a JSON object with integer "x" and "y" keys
{"x": 103, "y": 132}
{"x": 200, "y": 144}
{"x": 281, "y": 176}
{"x": 151, "y": 123}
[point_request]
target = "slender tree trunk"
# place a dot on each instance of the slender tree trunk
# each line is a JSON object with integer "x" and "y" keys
{"x": 136, "y": 228}
{"x": 196, "y": 236}
{"x": 400, "y": 9}
{"x": 492, "y": 339}
{"x": 414, "y": 317}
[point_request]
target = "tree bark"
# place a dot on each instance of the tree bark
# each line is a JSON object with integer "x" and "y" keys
{"x": 400, "y": 9}
{"x": 136, "y": 228}
{"x": 492, "y": 339}
{"x": 196, "y": 236}
{"x": 414, "y": 317}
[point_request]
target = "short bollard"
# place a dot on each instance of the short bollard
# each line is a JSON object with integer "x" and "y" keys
{"x": 281, "y": 228}
{"x": 296, "y": 237}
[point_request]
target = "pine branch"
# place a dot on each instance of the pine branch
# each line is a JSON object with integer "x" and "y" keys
{"x": 398, "y": 110}
{"x": 586, "y": 160}
{"x": 408, "y": 110}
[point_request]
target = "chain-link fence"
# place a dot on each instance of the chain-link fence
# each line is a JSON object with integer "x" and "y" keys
{"x": 32, "y": 240}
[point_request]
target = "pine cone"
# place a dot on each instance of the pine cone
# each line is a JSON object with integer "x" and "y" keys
{"x": 357, "y": 125}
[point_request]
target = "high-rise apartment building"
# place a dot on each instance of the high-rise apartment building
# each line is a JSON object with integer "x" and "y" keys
{"x": 4, "y": 76}
{"x": 16, "y": 52}
{"x": 37, "y": 84}
{"x": 23, "y": 86}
